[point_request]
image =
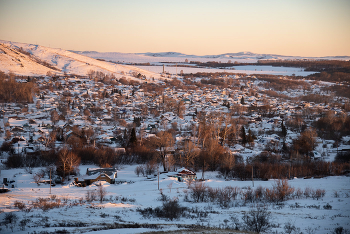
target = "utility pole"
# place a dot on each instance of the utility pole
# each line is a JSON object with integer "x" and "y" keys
{"x": 176, "y": 70}
{"x": 50, "y": 180}
{"x": 252, "y": 175}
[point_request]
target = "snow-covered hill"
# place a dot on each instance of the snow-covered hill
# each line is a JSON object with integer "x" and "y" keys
{"x": 14, "y": 61}
{"x": 29, "y": 59}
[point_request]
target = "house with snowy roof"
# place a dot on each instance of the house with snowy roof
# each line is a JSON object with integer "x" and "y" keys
{"x": 98, "y": 174}
{"x": 186, "y": 174}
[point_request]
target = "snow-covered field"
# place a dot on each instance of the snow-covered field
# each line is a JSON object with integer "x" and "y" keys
{"x": 286, "y": 71}
{"x": 133, "y": 192}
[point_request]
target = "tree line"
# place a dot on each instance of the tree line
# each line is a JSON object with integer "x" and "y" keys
{"x": 13, "y": 91}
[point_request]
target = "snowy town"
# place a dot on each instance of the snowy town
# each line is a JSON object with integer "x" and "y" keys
{"x": 131, "y": 150}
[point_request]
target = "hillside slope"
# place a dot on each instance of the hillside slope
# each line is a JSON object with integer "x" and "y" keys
{"x": 20, "y": 63}
{"x": 34, "y": 60}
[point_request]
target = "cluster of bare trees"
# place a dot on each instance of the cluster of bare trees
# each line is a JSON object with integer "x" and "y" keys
{"x": 13, "y": 91}
{"x": 283, "y": 84}
{"x": 100, "y": 76}
{"x": 226, "y": 197}
{"x": 333, "y": 126}
{"x": 169, "y": 104}
{"x": 67, "y": 163}
{"x": 208, "y": 150}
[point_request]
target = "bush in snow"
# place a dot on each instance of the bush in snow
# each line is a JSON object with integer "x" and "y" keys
{"x": 20, "y": 205}
{"x": 46, "y": 204}
{"x": 150, "y": 168}
{"x": 248, "y": 195}
{"x": 101, "y": 192}
{"x": 23, "y": 223}
{"x": 290, "y": 228}
{"x": 10, "y": 218}
{"x": 225, "y": 196}
{"x": 307, "y": 192}
{"x": 327, "y": 207}
{"x": 38, "y": 176}
{"x": 169, "y": 210}
{"x": 318, "y": 193}
{"x": 90, "y": 196}
{"x": 7, "y": 146}
{"x": 172, "y": 209}
{"x": 139, "y": 170}
{"x": 163, "y": 197}
{"x": 340, "y": 230}
{"x": 257, "y": 219}
{"x": 298, "y": 193}
{"x": 259, "y": 193}
{"x": 282, "y": 190}
{"x": 199, "y": 192}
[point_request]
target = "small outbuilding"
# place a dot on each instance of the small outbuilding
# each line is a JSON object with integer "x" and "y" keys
{"x": 186, "y": 174}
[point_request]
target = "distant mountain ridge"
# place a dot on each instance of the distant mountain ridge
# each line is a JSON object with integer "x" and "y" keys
{"x": 245, "y": 56}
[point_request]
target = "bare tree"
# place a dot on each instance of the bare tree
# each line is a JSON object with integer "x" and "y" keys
{"x": 282, "y": 189}
{"x": 170, "y": 186}
{"x": 162, "y": 142}
{"x": 67, "y": 162}
{"x": 54, "y": 117}
{"x": 89, "y": 134}
{"x": 180, "y": 109}
{"x": 38, "y": 176}
{"x": 257, "y": 220}
{"x": 101, "y": 192}
{"x": 190, "y": 153}
{"x": 7, "y": 134}
{"x": 87, "y": 113}
{"x": 305, "y": 143}
{"x": 91, "y": 74}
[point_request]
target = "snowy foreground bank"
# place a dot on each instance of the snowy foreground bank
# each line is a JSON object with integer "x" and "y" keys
{"x": 67, "y": 208}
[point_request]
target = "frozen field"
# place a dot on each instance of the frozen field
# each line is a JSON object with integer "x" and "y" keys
{"x": 286, "y": 71}
{"x": 131, "y": 192}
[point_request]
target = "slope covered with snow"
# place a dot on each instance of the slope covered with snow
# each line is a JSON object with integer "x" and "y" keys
{"x": 16, "y": 62}
{"x": 27, "y": 59}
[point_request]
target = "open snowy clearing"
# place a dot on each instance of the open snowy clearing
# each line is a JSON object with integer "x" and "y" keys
{"x": 132, "y": 192}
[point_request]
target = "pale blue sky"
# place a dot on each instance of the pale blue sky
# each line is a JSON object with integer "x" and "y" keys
{"x": 295, "y": 27}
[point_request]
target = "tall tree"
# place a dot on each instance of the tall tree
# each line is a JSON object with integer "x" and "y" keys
{"x": 180, "y": 109}
{"x": 243, "y": 136}
{"x": 162, "y": 143}
{"x": 67, "y": 162}
{"x": 284, "y": 130}
{"x": 54, "y": 117}
{"x": 242, "y": 101}
{"x": 133, "y": 139}
{"x": 305, "y": 143}
{"x": 251, "y": 137}
{"x": 190, "y": 153}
